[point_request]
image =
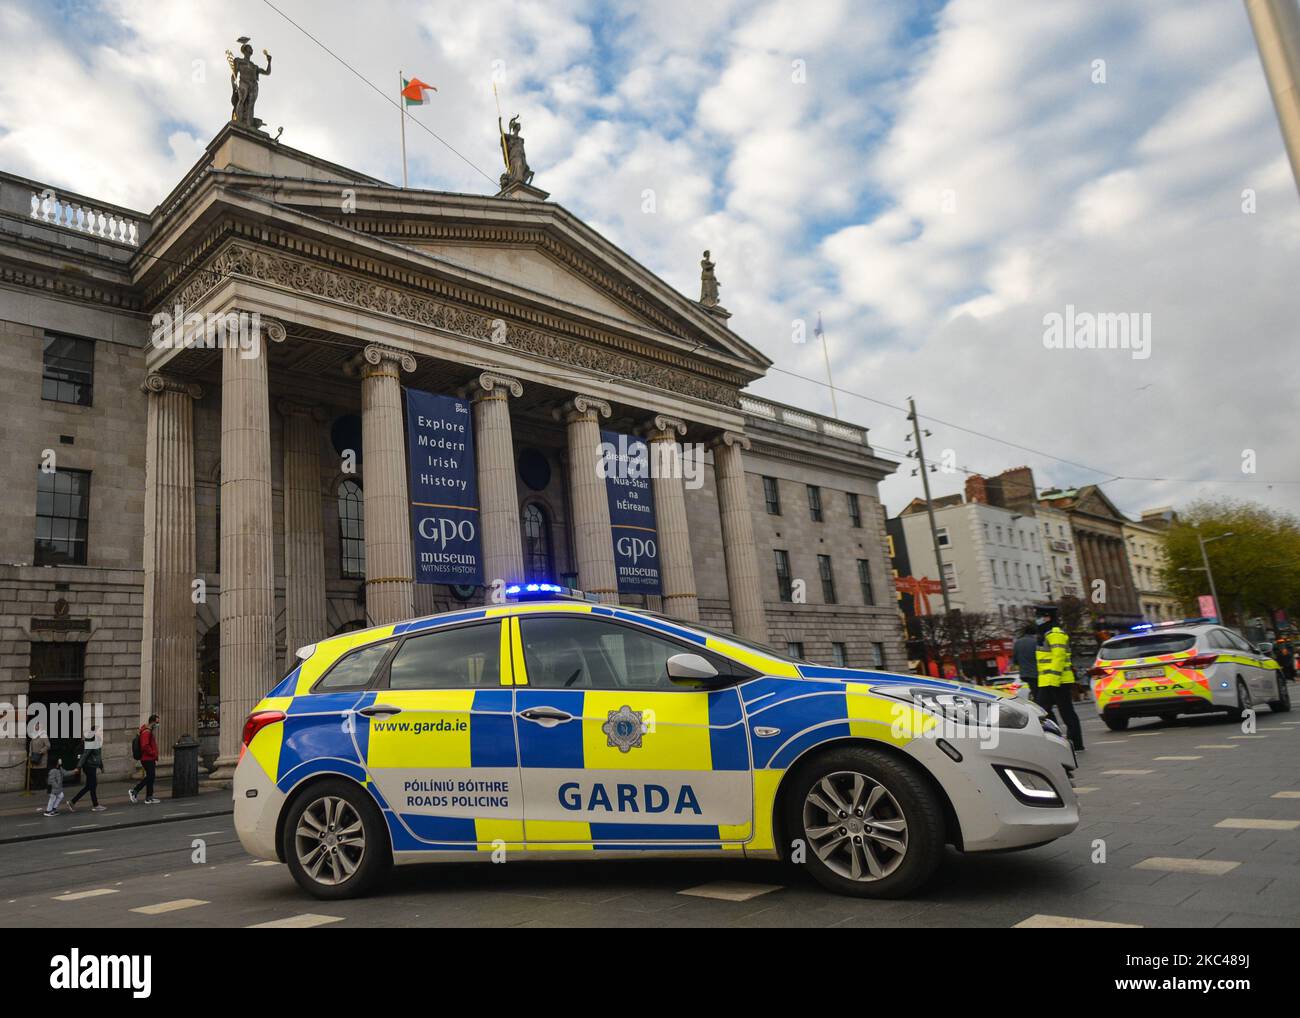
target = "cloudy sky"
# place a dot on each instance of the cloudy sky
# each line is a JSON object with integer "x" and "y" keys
{"x": 933, "y": 179}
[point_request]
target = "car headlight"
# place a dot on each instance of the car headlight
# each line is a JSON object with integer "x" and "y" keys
{"x": 961, "y": 708}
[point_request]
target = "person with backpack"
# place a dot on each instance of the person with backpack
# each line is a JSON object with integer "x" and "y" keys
{"x": 90, "y": 764}
{"x": 144, "y": 747}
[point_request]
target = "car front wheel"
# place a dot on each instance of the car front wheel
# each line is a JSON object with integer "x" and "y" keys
{"x": 335, "y": 841}
{"x": 871, "y": 826}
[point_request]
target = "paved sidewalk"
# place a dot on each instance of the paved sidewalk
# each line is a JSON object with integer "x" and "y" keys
{"x": 21, "y": 819}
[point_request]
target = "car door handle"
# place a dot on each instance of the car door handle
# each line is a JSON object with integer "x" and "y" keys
{"x": 379, "y": 710}
{"x": 547, "y": 717}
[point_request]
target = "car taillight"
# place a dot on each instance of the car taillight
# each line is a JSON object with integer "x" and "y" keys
{"x": 1197, "y": 661}
{"x": 259, "y": 720}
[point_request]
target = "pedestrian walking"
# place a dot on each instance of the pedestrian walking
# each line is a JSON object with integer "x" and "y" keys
{"x": 90, "y": 764}
{"x": 144, "y": 747}
{"x": 1025, "y": 655}
{"x": 1284, "y": 653}
{"x": 54, "y": 784}
{"x": 1056, "y": 676}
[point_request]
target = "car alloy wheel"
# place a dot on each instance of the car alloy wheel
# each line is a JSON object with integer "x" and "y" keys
{"x": 330, "y": 840}
{"x": 855, "y": 826}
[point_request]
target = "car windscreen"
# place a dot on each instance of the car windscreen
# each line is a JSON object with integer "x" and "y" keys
{"x": 1150, "y": 645}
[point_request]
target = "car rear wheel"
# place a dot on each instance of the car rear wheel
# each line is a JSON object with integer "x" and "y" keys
{"x": 1243, "y": 702}
{"x": 1113, "y": 723}
{"x": 871, "y": 826}
{"x": 334, "y": 840}
{"x": 1283, "y": 702}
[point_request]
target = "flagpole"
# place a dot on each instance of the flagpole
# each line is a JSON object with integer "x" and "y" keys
{"x": 830, "y": 382}
{"x": 401, "y": 111}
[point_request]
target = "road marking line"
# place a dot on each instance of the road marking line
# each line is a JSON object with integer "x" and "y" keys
{"x": 730, "y": 890}
{"x": 84, "y": 851}
{"x": 1166, "y": 864}
{"x": 1109, "y": 742}
{"x": 78, "y": 895}
{"x": 265, "y": 862}
{"x": 1180, "y": 758}
{"x": 1121, "y": 771}
{"x": 1085, "y": 789}
{"x": 83, "y": 827}
{"x": 1247, "y": 736}
{"x": 169, "y": 906}
{"x": 1285, "y": 795}
{"x": 1217, "y": 745}
{"x": 1047, "y": 922}
{"x": 1253, "y": 824}
{"x": 297, "y": 922}
{"x": 204, "y": 834}
{"x": 1142, "y": 735}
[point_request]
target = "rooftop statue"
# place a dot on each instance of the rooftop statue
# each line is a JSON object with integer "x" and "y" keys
{"x": 244, "y": 73}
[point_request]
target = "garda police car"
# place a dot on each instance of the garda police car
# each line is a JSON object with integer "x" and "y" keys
{"x": 1189, "y": 667}
{"x": 562, "y": 728}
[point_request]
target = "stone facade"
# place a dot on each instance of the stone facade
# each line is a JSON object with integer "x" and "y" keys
{"x": 217, "y": 503}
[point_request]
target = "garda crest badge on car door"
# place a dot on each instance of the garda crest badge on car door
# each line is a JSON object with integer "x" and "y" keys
{"x": 623, "y": 729}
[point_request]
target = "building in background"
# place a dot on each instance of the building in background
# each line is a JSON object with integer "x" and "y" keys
{"x": 178, "y": 518}
{"x": 1060, "y": 559}
{"x": 1146, "y": 556}
{"x": 1108, "y": 587}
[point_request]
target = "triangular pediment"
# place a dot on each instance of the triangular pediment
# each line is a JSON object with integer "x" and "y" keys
{"x": 1093, "y": 501}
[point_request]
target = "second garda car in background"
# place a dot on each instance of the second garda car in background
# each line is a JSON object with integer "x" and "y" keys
{"x": 562, "y": 728}
{"x": 1190, "y": 667}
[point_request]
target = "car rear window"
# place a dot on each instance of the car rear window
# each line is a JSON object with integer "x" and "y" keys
{"x": 1151, "y": 645}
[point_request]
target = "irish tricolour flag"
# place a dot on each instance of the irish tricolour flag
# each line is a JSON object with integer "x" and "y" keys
{"x": 414, "y": 91}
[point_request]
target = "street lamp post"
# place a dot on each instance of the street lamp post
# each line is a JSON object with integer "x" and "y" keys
{"x": 1205, "y": 568}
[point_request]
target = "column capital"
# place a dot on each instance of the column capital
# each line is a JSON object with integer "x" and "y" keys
{"x": 490, "y": 383}
{"x": 582, "y": 406}
{"x": 376, "y": 356}
{"x": 296, "y": 408}
{"x": 156, "y": 382}
{"x": 274, "y": 329}
{"x": 662, "y": 428}
{"x": 731, "y": 438}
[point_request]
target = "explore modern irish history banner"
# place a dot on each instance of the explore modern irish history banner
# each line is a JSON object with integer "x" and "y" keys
{"x": 626, "y": 464}
{"x": 444, "y": 489}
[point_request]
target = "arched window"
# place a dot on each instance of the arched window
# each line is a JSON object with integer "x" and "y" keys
{"x": 352, "y": 531}
{"x": 537, "y": 543}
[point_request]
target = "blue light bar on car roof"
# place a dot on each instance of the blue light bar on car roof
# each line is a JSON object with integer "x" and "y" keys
{"x": 545, "y": 592}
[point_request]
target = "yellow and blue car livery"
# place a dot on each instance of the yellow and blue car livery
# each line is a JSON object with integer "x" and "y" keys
{"x": 537, "y": 768}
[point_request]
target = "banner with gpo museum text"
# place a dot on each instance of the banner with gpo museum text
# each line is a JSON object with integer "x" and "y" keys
{"x": 444, "y": 489}
{"x": 626, "y": 464}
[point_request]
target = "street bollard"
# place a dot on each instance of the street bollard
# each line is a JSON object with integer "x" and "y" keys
{"x": 185, "y": 767}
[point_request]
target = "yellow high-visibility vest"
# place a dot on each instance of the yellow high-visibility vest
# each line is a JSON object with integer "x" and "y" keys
{"x": 1053, "y": 657}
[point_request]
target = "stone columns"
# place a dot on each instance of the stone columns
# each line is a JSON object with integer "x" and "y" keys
{"x": 744, "y": 585}
{"x": 675, "y": 566}
{"x": 168, "y": 656}
{"x": 248, "y": 665}
{"x": 304, "y": 537}
{"x": 390, "y": 595}
{"x": 494, "y": 451}
{"x": 593, "y": 543}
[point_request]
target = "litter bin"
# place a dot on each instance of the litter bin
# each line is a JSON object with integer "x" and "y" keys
{"x": 185, "y": 767}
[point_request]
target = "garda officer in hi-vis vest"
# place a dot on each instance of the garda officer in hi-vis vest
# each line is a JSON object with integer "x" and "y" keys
{"x": 1056, "y": 673}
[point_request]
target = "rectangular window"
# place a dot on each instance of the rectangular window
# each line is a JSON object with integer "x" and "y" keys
{"x": 864, "y": 581}
{"x": 840, "y": 655}
{"x": 783, "y": 574}
{"x": 877, "y": 655}
{"x": 68, "y": 369}
{"x": 794, "y": 649}
{"x": 855, "y": 510}
{"x": 772, "y": 496}
{"x": 815, "y": 503}
{"x": 950, "y": 576}
{"x": 62, "y": 517}
{"x": 466, "y": 657}
{"x": 828, "y": 578}
{"x": 942, "y": 536}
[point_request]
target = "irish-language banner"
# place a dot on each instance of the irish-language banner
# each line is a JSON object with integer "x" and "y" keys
{"x": 444, "y": 489}
{"x": 626, "y": 463}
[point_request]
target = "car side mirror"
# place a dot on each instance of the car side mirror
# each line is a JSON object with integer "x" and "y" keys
{"x": 690, "y": 668}
{"x": 1022, "y": 693}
